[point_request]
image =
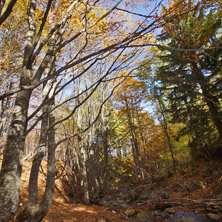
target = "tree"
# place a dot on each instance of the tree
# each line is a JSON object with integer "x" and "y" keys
{"x": 157, "y": 98}
{"x": 63, "y": 40}
{"x": 190, "y": 70}
{"x": 130, "y": 97}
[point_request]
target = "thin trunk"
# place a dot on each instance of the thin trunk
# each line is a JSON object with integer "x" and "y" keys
{"x": 144, "y": 149}
{"x": 134, "y": 158}
{"x": 70, "y": 175}
{"x": 105, "y": 163}
{"x": 119, "y": 151}
{"x": 105, "y": 145}
{"x": 93, "y": 165}
{"x": 34, "y": 213}
{"x": 33, "y": 180}
{"x": 97, "y": 167}
{"x": 83, "y": 158}
{"x": 51, "y": 170}
{"x": 71, "y": 161}
{"x": 84, "y": 177}
{"x": 165, "y": 128}
{"x": 135, "y": 148}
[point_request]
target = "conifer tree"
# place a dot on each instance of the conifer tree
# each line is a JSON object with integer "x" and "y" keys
{"x": 190, "y": 72}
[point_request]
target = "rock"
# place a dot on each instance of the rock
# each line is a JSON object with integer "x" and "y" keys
{"x": 139, "y": 215}
{"x": 123, "y": 204}
{"x": 192, "y": 216}
{"x": 191, "y": 185}
{"x": 170, "y": 210}
{"x": 207, "y": 172}
{"x": 156, "y": 213}
{"x": 145, "y": 194}
{"x": 131, "y": 213}
{"x": 217, "y": 217}
{"x": 190, "y": 219}
{"x": 143, "y": 216}
{"x": 113, "y": 202}
{"x": 159, "y": 214}
{"x": 165, "y": 194}
{"x": 148, "y": 195}
{"x": 154, "y": 195}
{"x": 132, "y": 195}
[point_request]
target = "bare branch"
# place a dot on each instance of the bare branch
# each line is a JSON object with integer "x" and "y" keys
{"x": 8, "y": 11}
{"x": 134, "y": 13}
{"x": 95, "y": 120}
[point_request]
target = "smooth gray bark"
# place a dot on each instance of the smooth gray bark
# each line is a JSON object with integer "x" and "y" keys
{"x": 10, "y": 175}
{"x": 42, "y": 149}
{"x": 13, "y": 158}
{"x": 83, "y": 157}
{"x": 34, "y": 213}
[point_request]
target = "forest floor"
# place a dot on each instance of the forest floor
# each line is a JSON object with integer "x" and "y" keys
{"x": 63, "y": 210}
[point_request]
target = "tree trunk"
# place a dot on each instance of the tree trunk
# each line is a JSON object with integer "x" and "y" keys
{"x": 165, "y": 128}
{"x": 93, "y": 166}
{"x": 42, "y": 149}
{"x": 71, "y": 166}
{"x": 84, "y": 177}
{"x": 211, "y": 101}
{"x": 13, "y": 158}
{"x": 144, "y": 149}
{"x": 33, "y": 213}
{"x": 105, "y": 164}
{"x": 10, "y": 175}
{"x": 135, "y": 148}
{"x": 51, "y": 170}
{"x": 83, "y": 158}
